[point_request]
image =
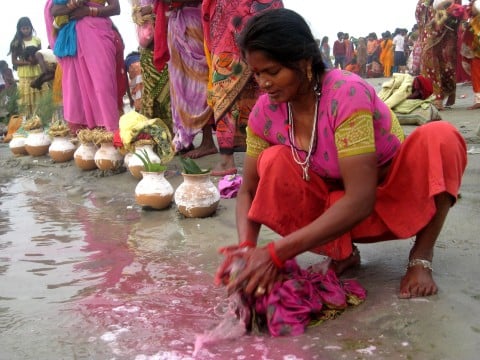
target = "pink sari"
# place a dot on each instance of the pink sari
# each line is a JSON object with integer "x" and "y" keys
{"x": 89, "y": 79}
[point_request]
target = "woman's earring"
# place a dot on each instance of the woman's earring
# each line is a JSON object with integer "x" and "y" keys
{"x": 309, "y": 73}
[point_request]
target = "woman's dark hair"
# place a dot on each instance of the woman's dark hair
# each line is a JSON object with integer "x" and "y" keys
{"x": 283, "y": 36}
{"x": 17, "y": 42}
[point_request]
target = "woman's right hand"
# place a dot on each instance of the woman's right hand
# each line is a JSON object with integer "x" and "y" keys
{"x": 256, "y": 276}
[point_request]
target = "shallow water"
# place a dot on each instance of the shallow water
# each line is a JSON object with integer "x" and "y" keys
{"x": 84, "y": 275}
{"x": 87, "y": 274}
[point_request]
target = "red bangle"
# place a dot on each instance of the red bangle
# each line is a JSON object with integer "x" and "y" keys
{"x": 247, "y": 243}
{"x": 273, "y": 255}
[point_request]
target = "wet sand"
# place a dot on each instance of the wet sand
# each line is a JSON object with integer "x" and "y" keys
{"x": 444, "y": 326}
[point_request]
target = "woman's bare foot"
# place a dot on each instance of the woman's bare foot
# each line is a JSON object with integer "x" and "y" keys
{"x": 474, "y": 106}
{"x": 226, "y": 166}
{"x": 202, "y": 150}
{"x": 353, "y": 261}
{"x": 207, "y": 146}
{"x": 417, "y": 282}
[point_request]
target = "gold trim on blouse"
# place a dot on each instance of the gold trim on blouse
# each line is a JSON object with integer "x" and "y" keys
{"x": 255, "y": 144}
{"x": 355, "y": 135}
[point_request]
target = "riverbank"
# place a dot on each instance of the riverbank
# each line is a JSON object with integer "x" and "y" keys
{"x": 87, "y": 274}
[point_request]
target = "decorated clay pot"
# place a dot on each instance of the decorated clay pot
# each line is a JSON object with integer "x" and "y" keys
{"x": 108, "y": 157}
{"x": 84, "y": 156}
{"x": 17, "y": 145}
{"x": 197, "y": 196}
{"x": 37, "y": 143}
{"x": 154, "y": 191}
{"x": 61, "y": 149}
{"x": 135, "y": 164}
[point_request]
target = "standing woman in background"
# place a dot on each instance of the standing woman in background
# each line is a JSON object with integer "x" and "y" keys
{"x": 386, "y": 53}
{"x": 232, "y": 91}
{"x": 89, "y": 75}
{"x": 325, "y": 51}
{"x": 438, "y": 24}
{"x": 26, "y": 71}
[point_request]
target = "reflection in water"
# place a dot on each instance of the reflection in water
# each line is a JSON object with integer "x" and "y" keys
{"x": 88, "y": 276}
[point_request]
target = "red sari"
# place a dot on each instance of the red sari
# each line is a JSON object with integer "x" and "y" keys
{"x": 430, "y": 161}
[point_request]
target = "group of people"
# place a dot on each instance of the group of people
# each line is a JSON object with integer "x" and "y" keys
{"x": 369, "y": 56}
{"x": 327, "y": 164}
{"x": 188, "y": 70}
{"x": 442, "y": 47}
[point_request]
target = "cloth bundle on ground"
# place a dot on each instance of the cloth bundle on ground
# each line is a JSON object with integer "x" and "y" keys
{"x": 229, "y": 186}
{"x": 305, "y": 297}
{"x": 134, "y": 126}
{"x": 410, "y": 98}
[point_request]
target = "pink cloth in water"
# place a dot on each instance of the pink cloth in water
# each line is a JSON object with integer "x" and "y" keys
{"x": 304, "y": 297}
{"x": 229, "y": 186}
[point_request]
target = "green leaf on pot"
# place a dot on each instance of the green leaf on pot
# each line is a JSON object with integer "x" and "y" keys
{"x": 191, "y": 167}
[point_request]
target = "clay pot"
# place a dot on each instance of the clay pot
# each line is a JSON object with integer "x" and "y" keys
{"x": 154, "y": 191}
{"x": 84, "y": 156}
{"x": 135, "y": 165}
{"x": 17, "y": 145}
{"x": 61, "y": 149}
{"x": 37, "y": 143}
{"x": 197, "y": 196}
{"x": 108, "y": 157}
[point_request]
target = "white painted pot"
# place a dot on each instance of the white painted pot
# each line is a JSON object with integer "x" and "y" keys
{"x": 108, "y": 157}
{"x": 37, "y": 143}
{"x": 17, "y": 145}
{"x": 61, "y": 149}
{"x": 135, "y": 165}
{"x": 197, "y": 196}
{"x": 84, "y": 156}
{"x": 154, "y": 191}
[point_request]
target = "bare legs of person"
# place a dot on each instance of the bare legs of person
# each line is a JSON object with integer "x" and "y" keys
{"x": 418, "y": 280}
{"x": 474, "y": 106}
{"x": 206, "y": 147}
{"x": 226, "y": 166}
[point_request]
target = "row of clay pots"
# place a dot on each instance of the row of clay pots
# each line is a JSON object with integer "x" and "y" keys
{"x": 196, "y": 196}
{"x": 61, "y": 149}
{"x": 106, "y": 157}
{"x": 37, "y": 143}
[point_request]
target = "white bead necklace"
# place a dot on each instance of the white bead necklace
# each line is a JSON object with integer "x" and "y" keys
{"x": 305, "y": 164}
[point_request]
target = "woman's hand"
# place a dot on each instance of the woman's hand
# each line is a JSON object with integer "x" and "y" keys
{"x": 79, "y": 13}
{"x": 256, "y": 275}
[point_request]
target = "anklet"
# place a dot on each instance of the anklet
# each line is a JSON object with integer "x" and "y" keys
{"x": 425, "y": 263}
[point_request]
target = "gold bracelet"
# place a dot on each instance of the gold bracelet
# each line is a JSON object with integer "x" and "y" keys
{"x": 93, "y": 11}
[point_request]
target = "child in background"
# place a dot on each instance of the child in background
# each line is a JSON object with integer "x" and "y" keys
{"x": 47, "y": 61}
{"x": 6, "y": 76}
{"x": 135, "y": 88}
{"x": 27, "y": 72}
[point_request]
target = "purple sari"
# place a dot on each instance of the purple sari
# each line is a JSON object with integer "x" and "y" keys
{"x": 188, "y": 70}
